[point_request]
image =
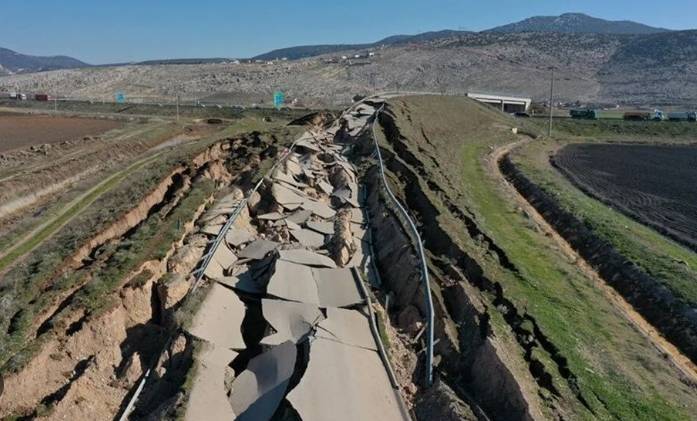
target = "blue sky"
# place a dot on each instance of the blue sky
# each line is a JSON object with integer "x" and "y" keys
{"x": 128, "y": 30}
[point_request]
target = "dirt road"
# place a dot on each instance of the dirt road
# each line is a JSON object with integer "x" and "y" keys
{"x": 30, "y": 241}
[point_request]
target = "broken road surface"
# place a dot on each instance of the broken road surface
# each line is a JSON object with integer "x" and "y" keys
{"x": 285, "y": 323}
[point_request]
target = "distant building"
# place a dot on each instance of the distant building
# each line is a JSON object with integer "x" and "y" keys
{"x": 507, "y": 104}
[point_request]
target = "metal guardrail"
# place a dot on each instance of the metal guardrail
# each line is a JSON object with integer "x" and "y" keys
{"x": 420, "y": 250}
{"x": 233, "y": 217}
{"x": 200, "y": 272}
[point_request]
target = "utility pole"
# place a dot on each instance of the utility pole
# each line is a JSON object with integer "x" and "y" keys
{"x": 55, "y": 103}
{"x": 551, "y": 104}
{"x": 177, "y": 107}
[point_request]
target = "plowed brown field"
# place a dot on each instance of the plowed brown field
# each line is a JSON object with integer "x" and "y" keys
{"x": 21, "y": 131}
{"x": 655, "y": 184}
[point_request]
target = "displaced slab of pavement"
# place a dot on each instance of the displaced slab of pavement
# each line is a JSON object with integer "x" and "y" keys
{"x": 281, "y": 280}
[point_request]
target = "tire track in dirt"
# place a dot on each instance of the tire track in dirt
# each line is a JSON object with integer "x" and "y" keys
{"x": 679, "y": 360}
{"x": 44, "y": 231}
{"x": 25, "y": 201}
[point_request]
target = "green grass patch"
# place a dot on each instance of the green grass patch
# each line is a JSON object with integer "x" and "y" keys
{"x": 618, "y": 372}
{"x": 382, "y": 330}
{"x": 50, "y": 227}
{"x": 669, "y": 262}
{"x": 613, "y": 128}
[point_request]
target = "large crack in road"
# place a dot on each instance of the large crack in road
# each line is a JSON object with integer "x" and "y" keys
{"x": 286, "y": 323}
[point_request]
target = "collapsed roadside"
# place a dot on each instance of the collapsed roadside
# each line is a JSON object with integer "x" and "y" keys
{"x": 106, "y": 307}
{"x": 547, "y": 319}
{"x": 516, "y": 336}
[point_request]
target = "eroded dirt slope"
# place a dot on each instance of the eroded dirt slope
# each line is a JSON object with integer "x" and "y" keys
{"x": 94, "y": 324}
{"x": 546, "y": 319}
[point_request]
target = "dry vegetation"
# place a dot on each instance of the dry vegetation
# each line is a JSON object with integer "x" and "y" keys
{"x": 77, "y": 303}
{"x": 590, "y": 68}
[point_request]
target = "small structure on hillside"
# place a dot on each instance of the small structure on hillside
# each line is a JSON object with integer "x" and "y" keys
{"x": 507, "y": 104}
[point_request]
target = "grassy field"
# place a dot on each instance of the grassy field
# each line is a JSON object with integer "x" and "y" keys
{"x": 617, "y": 372}
{"x": 30, "y": 231}
{"x": 23, "y": 285}
{"x": 128, "y": 141}
{"x": 659, "y": 256}
{"x": 22, "y": 246}
{"x": 646, "y": 131}
{"x": 673, "y": 264}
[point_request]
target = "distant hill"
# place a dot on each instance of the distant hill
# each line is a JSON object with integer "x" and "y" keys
{"x": 609, "y": 69}
{"x": 210, "y": 60}
{"x": 578, "y": 23}
{"x": 305, "y": 51}
{"x": 598, "y": 68}
{"x": 12, "y": 62}
{"x": 567, "y": 23}
{"x": 671, "y": 48}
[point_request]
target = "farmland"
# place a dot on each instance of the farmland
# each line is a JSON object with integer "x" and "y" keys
{"x": 608, "y": 193}
{"x": 654, "y": 184}
{"x": 564, "y": 334}
{"x": 87, "y": 226}
{"x": 618, "y": 129}
{"x": 21, "y": 130}
{"x": 94, "y": 269}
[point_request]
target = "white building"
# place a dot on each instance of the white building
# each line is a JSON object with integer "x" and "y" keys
{"x": 507, "y": 104}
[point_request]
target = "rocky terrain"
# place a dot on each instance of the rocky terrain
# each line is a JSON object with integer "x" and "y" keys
{"x": 596, "y": 61}
{"x": 577, "y": 23}
{"x": 625, "y": 69}
{"x": 566, "y": 23}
